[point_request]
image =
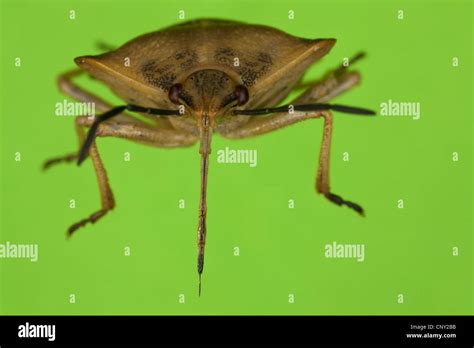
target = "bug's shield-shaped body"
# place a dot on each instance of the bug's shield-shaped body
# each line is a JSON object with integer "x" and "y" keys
{"x": 218, "y": 72}
{"x": 209, "y": 58}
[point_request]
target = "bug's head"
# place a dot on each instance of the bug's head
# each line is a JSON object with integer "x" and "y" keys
{"x": 208, "y": 92}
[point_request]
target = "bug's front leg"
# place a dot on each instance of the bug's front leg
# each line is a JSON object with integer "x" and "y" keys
{"x": 106, "y": 195}
{"x": 264, "y": 124}
{"x": 142, "y": 133}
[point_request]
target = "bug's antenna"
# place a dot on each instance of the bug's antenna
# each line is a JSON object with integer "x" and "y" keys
{"x": 91, "y": 134}
{"x": 93, "y": 130}
{"x": 306, "y": 107}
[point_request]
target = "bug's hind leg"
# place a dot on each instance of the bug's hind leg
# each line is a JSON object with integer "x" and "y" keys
{"x": 334, "y": 83}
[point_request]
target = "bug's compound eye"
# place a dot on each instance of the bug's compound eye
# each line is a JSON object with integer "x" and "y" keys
{"x": 174, "y": 93}
{"x": 241, "y": 94}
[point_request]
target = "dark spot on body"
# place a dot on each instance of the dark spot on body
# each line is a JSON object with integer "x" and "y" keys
{"x": 163, "y": 69}
{"x": 159, "y": 75}
{"x": 265, "y": 58}
{"x": 186, "y": 59}
{"x": 209, "y": 79}
{"x": 250, "y": 75}
{"x": 166, "y": 81}
{"x": 163, "y": 73}
{"x": 207, "y": 84}
{"x": 250, "y": 68}
{"x": 225, "y": 55}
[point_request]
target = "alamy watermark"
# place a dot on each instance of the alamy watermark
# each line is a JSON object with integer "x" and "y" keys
{"x": 228, "y": 155}
{"x": 345, "y": 251}
{"x": 68, "y": 108}
{"x": 28, "y": 330}
{"x": 407, "y": 109}
{"x": 19, "y": 251}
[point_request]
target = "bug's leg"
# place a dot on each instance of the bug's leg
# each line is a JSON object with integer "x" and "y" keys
{"x": 123, "y": 125}
{"x": 167, "y": 138}
{"x": 142, "y": 133}
{"x": 334, "y": 83}
{"x": 67, "y": 86}
{"x": 322, "y": 178}
{"x": 104, "y": 46}
{"x": 264, "y": 124}
{"x": 106, "y": 195}
{"x": 71, "y": 157}
{"x": 145, "y": 134}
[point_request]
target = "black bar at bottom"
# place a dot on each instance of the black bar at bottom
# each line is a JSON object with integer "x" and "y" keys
{"x": 415, "y": 330}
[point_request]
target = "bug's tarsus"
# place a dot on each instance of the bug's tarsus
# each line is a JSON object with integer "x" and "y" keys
{"x": 340, "y": 201}
{"x": 112, "y": 113}
{"x": 91, "y": 219}
{"x": 54, "y": 161}
{"x": 343, "y": 68}
{"x": 357, "y": 57}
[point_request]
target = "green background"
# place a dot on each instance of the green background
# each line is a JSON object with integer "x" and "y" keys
{"x": 407, "y": 251}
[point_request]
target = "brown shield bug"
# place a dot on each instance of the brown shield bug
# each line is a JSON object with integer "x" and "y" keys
{"x": 203, "y": 77}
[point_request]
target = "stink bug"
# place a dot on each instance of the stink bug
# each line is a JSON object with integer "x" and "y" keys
{"x": 203, "y": 77}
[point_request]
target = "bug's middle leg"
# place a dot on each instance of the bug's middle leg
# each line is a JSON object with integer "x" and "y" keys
{"x": 263, "y": 124}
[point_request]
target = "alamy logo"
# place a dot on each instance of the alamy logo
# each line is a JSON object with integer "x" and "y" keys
{"x": 67, "y": 108}
{"x": 345, "y": 251}
{"x": 37, "y": 331}
{"x": 20, "y": 251}
{"x": 392, "y": 108}
{"x": 237, "y": 156}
